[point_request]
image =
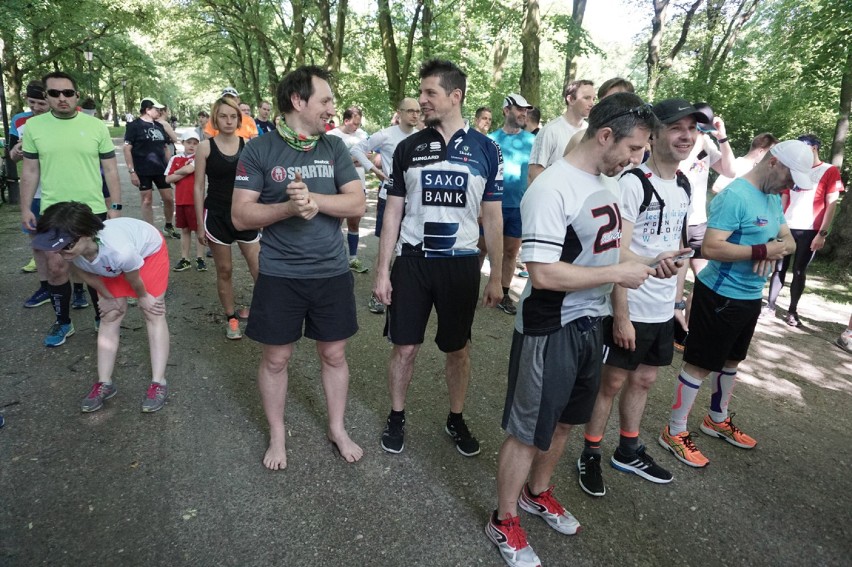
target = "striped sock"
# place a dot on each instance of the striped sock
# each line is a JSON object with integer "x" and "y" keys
{"x": 723, "y": 388}
{"x": 685, "y": 393}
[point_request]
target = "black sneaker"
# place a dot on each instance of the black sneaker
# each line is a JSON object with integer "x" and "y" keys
{"x": 465, "y": 442}
{"x": 591, "y": 479}
{"x": 393, "y": 437}
{"x": 641, "y": 464}
{"x": 792, "y": 319}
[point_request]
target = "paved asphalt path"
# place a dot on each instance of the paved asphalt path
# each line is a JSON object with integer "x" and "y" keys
{"x": 186, "y": 486}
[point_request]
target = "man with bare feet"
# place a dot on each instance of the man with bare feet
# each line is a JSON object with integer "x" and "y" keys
{"x": 296, "y": 184}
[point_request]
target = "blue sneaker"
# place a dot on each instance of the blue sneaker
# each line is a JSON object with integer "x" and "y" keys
{"x": 57, "y": 334}
{"x": 40, "y": 297}
{"x": 79, "y": 301}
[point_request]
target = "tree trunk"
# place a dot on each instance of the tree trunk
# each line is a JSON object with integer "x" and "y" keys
{"x": 298, "y": 41}
{"x": 113, "y": 104}
{"x": 426, "y": 30}
{"x": 14, "y": 74}
{"x": 409, "y": 51}
{"x": 390, "y": 53}
{"x": 530, "y": 43}
{"x": 339, "y": 35}
{"x": 658, "y": 25}
{"x": 500, "y": 53}
{"x": 655, "y": 72}
{"x": 571, "y": 57}
{"x": 838, "y": 246}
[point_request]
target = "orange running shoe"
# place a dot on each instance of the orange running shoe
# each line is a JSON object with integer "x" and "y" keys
{"x": 233, "y": 331}
{"x": 683, "y": 448}
{"x": 727, "y": 431}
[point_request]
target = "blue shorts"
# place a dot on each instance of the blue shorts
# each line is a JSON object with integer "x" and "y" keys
{"x": 512, "y": 222}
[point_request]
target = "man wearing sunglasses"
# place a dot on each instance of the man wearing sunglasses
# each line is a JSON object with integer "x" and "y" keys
{"x": 571, "y": 243}
{"x": 65, "y": 151}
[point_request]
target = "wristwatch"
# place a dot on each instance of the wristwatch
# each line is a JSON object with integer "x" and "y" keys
{"x": 131, "y": 171}
{"x": 680, "y": 305}
{"x": 116, "y": 206}
{"x": 823, "y": 233}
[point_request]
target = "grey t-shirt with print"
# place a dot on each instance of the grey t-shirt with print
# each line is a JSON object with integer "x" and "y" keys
{"x": 295, "y": 247}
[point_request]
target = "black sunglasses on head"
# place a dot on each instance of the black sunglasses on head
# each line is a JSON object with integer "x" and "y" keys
{"x": 643, "y": 111}
{"x": 67, "y": 93}
{"x": 71, "y": 244}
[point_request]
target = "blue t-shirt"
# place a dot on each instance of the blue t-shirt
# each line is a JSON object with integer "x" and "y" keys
{"x": 516, "y": 150}
{"x": 752, "y": 217}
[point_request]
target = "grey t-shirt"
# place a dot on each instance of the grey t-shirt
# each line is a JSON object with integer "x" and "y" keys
{"x": 294, "y": 247}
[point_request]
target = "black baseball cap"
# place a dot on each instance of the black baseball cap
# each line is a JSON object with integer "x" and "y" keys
{"x": 671, "y": 110}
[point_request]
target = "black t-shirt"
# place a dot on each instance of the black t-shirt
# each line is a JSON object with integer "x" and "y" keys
{"x": 264, "y": 126}
{"x": 149, "y": 146}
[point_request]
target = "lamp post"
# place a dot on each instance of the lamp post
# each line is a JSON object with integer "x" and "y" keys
{"x": 89, "y": 56}
{"x": 124, "y": 90}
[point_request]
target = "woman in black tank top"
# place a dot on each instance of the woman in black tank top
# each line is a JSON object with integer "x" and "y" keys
{"x": 216, "y": 160}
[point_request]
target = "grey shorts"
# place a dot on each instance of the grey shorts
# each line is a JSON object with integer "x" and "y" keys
{"x": 552, "y": 379}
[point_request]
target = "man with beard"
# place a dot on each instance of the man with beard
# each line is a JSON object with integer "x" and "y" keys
{"x": 516, "y": 144}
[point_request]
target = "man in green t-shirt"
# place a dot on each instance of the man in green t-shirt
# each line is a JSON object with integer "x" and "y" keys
{"x": 66, "y": 150}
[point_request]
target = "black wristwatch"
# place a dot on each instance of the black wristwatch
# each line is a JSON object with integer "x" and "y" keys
{"x": 823, "y": 233}
{"x": 116, "y": 206}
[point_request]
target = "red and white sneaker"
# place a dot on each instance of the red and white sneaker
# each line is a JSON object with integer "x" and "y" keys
{"x": 511, "y": 539}
{"x": 548, "y": 507}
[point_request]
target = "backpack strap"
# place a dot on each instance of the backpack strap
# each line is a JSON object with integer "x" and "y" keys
{"x": 648, "y": 193}
{"x": 683, "y": 182}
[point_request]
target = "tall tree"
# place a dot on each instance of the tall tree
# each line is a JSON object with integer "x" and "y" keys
{"x": 574, "y": 47}
{"x": 656, "y": 63}
{"x": 530, "y": 43}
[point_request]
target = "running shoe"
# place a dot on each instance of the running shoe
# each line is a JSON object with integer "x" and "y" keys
{"x": 767, "y": 313}
{"x": 683, "y": 448}
{"x": 844, "y": 341}
{"x": 57, "y": 334}
{"x": 37, "y": 299}
{"x": 181, "y": 266}
{"x": 233, "y": 331}
{"x": 95, "y": 399}
{"x": 375, "y": 306}
{"x": 523, "y": 274}
{"x": 79, "y": 301}
{"x": 548, "y": 507}
{"x": 640, "y": 464}
{"x": 792, "y": 319}
{"x": 511, "y": 540}
{"x": 393, "y": 437}
{"x": 169, "y": 230}
{"x": 466, "y": 443}
{"x": 30, "y": 267}
{"x": 507, "y": 305}
{"x": 155, "y": 398}
{"x": 357, "y": 266}
{"x": 200, "y": 265}
{"x": 727, "y": 431}
{"x": 591, "y": 479}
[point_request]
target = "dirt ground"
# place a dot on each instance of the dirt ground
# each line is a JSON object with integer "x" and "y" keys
{"x": 185, "y": 486}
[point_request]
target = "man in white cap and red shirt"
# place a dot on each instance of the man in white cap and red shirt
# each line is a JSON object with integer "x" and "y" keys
{"x": 516, "y": 144}
{"x": 746, "y": 234}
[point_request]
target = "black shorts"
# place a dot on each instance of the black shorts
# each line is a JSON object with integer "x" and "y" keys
{"x": 720, "y": 328}
{"x": 694, "y": 238}
{"x": 279, "y": 307}
{"x": 147, "y": 182}
{"x": 450, "y": 284}
{"x": 219, "y": 229}
{"x": 552, "y": 379}
{"x": 654, "y": 345}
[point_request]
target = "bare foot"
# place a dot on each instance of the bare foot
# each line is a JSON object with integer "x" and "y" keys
{"x": 275, "y": 458}
{"x": 348, "y": 449}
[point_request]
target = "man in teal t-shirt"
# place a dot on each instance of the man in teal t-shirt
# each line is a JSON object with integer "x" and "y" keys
{"x": 746, "y": 234}
{"x": 65, "y": 150}
{"x": 516, "y": 144}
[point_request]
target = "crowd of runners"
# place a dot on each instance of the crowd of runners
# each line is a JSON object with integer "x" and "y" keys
{"x": 605, "y": 207}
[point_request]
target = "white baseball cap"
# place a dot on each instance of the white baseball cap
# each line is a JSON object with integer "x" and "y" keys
{"x": 799, "y": 158}
{"x": 230, "y": 91}
{"x": 516, "y": 100}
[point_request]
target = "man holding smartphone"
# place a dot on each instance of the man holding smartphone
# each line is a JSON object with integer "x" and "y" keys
{"x": 638, "y": 338}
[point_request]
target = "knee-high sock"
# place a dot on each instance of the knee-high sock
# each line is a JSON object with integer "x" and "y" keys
{"x": 723, "y": 387}
{"x": 686, "y": 391}
{"x": 93, "y": 293}
{"x": 60, "y": 295}
{"x": 352, "y": 240}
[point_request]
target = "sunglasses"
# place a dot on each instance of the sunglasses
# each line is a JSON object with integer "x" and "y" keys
{"x": 67, "y": 93}
{"x": 71, "y": 244}
{"x": 643, "y": 111}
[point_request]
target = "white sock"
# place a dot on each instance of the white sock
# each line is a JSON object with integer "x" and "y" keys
{"x": 685, "y": 393}
{"x": 723, "y": 388}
